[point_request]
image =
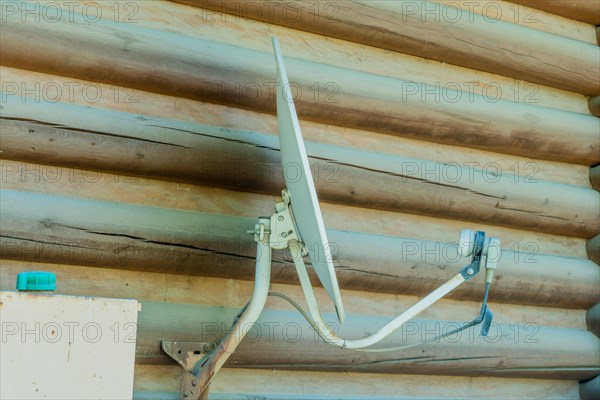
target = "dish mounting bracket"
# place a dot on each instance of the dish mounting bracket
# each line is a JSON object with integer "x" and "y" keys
{"x": 283, "y": 226}
{"x": 189, "y": 356}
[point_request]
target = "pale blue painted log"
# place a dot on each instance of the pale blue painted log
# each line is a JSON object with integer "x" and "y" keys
{"x": 444, "y": 33}
{"x": 57, "y": 229}
{"x": 283, "y": 340}
{"x": 163, "y": 62}
{"x": 250, "y": 161}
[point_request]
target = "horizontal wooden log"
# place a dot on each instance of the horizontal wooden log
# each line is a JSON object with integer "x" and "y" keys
{"x": 170, "y": 288}
{"x": 245, "y": 160}
{"x": 464, "y": 39}
{"x": 594, "y": 104}
{"x": 55, "y": 89}
{"x": 301, "y": 385}
{"x": 76, "y": 280}
{"x": 283, "y": 340}
{"x": 256, "y": 35}
{"x": 593, "y": 249}
{"x": 529, "y": 17}
{"x": 581, "y": 10}
{"x": 55, "y": 229}
{"x": 111, "y": 187}
{"x": 593, "y": 319}
{"x": 207, "y": 70}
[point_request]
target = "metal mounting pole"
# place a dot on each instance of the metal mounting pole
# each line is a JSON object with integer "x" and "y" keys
{"x": 199, "y": 370}
{"x": 201, "y": 361}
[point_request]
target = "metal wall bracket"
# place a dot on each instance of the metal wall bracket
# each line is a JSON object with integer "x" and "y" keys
{"x": 283, "y": 228}
{"x": 189, "y": 356}
{"x": 474, "y": 266}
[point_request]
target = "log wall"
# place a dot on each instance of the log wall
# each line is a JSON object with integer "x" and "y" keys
{"x": 137, "y": 153}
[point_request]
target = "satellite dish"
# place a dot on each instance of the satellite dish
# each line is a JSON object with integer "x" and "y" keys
{"x": 302, "y": 207}
{"x": 298, "y": 225}
{"x": 301, "y": 189}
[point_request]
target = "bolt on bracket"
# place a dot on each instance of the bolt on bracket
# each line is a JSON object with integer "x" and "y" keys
{"x": 189, "y": 356}
{"x": 283, "y": 227}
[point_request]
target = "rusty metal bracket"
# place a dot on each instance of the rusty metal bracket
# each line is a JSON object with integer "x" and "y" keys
{"x": 189, "y": 356}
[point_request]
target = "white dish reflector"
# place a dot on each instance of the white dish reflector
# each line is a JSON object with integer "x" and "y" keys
{"x": 301, "y": 188}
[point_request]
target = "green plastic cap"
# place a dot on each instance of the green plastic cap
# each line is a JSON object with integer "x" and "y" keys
{"x": 36, "y": 280}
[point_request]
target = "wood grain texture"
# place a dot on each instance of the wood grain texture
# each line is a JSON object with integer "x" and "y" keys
{"x": 208, "y": 70}
{"x": 256, "y": 35}
{"x": 58, "y": 229}
{"x": 138, "y": 227}
{"x": 249, "y": 161}
{"x": 587, "y": 11}
{"x": 420, "y": 28}
{"x": 301, "y": 385}
{"x": 55, "y": 89}
{"x": 527, "y": 16}
{"x": 283, "y": 340}
{"x": 76, "y": 280}
{"x": 111, "y": 187}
